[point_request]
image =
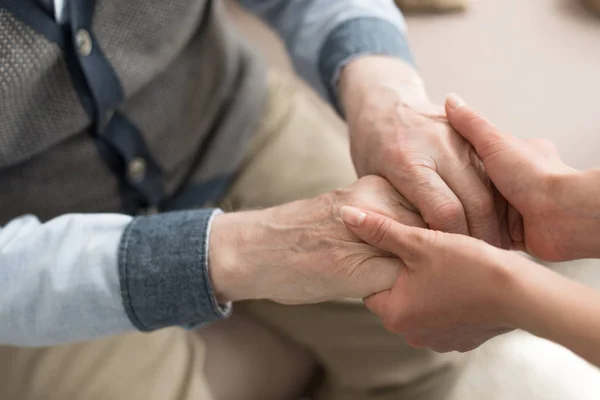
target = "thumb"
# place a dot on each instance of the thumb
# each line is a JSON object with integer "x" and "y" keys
{"x": 404, "y": 241}
{"x": 485, "y": 138}
{"x": 381, "y": 304}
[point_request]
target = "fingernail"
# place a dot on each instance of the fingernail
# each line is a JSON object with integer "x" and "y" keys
{"x": 352, "y": 216}
{"x": 454, "y": 101}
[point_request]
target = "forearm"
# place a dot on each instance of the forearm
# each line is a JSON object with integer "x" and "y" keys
{"x": 558, "y": 309}
{"x": 361, "y": 84}
{"x": 579, "y": 195}
{"x": 78, "y": 277}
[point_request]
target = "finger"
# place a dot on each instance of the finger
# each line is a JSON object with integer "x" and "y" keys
{"x": 502, "y": 212}
{"x": 486, "y": 138}
{"x": 426, "y": 190}
{"x": 376, "y": 275}
{"x": 477, "y": 201}
{"x": 387, "y": 309}
{"x": 378, "y": 303}
{"x": 515, "y": 224}
{"x": 407, "y": 242}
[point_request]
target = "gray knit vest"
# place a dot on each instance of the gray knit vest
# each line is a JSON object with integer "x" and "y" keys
{"x": 191, "y": 88}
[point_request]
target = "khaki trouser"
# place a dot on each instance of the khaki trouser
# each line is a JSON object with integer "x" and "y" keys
{"x": 296, "y": 153}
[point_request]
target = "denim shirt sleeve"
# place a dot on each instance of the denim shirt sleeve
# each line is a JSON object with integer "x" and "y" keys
{"x": 83, "y": 276}
{"x": 163, "y": 269}
{"x": 323, "y": 36}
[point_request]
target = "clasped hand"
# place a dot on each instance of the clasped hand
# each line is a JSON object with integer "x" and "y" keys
{"x": 455, "y": 291}
{"x": 301, "y": 252}
{"x": 479, "y": 189}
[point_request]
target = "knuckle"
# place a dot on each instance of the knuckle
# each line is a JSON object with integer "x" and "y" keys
{"x": 379, "y": 229}
{"x": 422, "y": 238}
{"x": 482, "y": 206}
{"x": 370, "y": 179}
{"x": 447, "y": 213}
{"x": 417, "y": 165}
{"x": 471, "y": 117}
{"x": 369, "y": 182}
{"x": 490, "y": 147}
{"x": 339, "y": 195}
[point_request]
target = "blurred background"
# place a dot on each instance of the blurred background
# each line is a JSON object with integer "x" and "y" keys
{"x": 532, "y": 67}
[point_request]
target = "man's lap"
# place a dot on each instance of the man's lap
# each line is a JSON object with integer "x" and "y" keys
{"x": 156, "y": 366}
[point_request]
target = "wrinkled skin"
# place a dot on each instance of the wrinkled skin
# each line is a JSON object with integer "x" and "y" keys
{"x": 301, "y": 252}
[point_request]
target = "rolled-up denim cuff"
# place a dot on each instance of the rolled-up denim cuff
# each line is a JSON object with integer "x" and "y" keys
{"x": 356, "y": 38}
{"x": 163, "y": 271}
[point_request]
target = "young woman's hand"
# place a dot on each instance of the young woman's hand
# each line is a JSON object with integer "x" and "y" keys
{"x": 553, "y": 210}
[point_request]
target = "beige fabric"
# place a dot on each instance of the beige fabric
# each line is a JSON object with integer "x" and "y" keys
{"x": 163, "y": 365}
{"x": 245, "y": 360}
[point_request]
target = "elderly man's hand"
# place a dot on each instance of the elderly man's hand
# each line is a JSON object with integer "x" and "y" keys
{"x": 301, "y": 252}
{"x": 398, "y": 134}
{"x": 454, "y": 291}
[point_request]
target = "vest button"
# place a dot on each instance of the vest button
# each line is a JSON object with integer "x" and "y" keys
{"x": 137, "y": 169}
{"x": 83, "y": 40}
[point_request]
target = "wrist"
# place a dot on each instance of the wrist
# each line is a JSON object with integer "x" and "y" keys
{"x": 505, "y": 288}
{"x": 589, "y": 191}
{"x": 578, "y": 196}
{"x": 583, "y": 192}
{"x": 373, "y": 76}
{"x": 534, "y": 295}
{"x": 230, "y": 274}
{"x": 515, "y": 296}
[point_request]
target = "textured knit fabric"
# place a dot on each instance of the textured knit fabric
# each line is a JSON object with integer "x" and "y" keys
{"x": 191, "y": 87}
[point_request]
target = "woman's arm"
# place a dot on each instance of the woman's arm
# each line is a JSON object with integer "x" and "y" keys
{"x": 554, "y": 210}
{"x": 456, "y": 292}
{"x": 556, "y": 308}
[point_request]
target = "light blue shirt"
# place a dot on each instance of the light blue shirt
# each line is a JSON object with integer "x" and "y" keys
{"x": 305, "y": 25}
{"x": 59, "y": 281}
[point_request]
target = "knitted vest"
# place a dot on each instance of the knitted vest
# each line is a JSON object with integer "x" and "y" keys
{"x": 133, "y": 105}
